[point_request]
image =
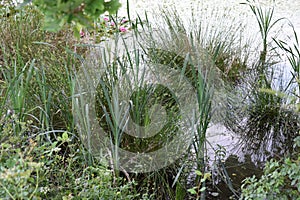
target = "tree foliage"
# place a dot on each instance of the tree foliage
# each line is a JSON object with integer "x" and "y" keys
{"x": 80, "y": 13}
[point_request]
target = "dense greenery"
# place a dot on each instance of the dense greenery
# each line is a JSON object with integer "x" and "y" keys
{"x": 281, "y": 179}
{"x": 43, "y": 153}
{"x": 41, "y": 156}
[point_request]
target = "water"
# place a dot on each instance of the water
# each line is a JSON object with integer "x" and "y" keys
{"x": 289, "y": 9}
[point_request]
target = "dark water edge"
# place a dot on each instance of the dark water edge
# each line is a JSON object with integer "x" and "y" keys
{"x": 237, "y": 171}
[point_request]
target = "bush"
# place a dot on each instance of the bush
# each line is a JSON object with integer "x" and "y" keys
{"x": 40, "y": 170}
{"x": 281, "y": 179}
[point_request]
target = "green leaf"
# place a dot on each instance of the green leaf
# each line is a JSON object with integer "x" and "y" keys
{"x": 198, "y": 173}
{"x": 207, "y": 176}
{"x": 192, "y": 191}
{"x": 59, "y": 13}
{"x": 65, "y": 136}
{"x": 112, "y": 6}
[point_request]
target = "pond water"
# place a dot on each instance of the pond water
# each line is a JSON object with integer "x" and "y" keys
{"x": 289, "y": 9}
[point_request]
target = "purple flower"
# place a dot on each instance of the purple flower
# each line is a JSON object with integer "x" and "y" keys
{"x": 106, "y": 19}
{"x": 122, "y": 29}
{"x": 112, "y": 23}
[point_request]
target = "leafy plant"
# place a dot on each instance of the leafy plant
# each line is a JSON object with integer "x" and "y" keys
{"x": 199, "y": 189}
{"x": 105, "y": 26}
{"x": 19, "y": 175}
{"x": 281, "y": 179}
{"x": 81, "y": 13}
{"x": 31, "y": 168}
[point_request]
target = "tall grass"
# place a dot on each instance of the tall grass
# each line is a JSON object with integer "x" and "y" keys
{"x": 264, "y": 18}
{"x": 293, "y": 56}
{"x": 43, "y": 63}
{"x": 41, "y": 156}
{"x": 174, "y": 46}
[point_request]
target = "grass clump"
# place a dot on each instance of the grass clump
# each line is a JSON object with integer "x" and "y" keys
{"x": 42, "y": 62}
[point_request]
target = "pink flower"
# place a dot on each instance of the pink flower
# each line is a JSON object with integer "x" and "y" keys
{"x": 106, "y": 19}
{"x": 112, "y": 23}
{"x": 122, "y": 29}
{"x": 81, "y": 32}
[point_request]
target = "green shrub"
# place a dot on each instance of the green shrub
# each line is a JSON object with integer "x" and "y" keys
{"x": 281, "y": 179}
{"x": 33, "y": 169}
